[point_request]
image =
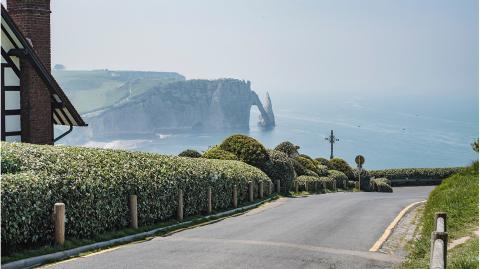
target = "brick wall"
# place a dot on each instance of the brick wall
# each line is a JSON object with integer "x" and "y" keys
{"x": 33, "y": 19}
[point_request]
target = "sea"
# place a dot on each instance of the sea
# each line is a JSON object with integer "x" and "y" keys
{"x": 390, "y": 131}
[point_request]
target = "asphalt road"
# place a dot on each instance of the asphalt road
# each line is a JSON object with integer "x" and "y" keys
{"x": 320, "y": 231}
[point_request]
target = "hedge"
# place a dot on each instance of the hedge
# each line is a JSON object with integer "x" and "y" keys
{"x": 310, "y": 182}
{"x": 415, "y": 173}
{"x": 95, "y": 184}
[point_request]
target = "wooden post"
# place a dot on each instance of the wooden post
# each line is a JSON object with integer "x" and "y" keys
{"x": 345, "y": 186}
{"x": 132, "y": 204}
{"x": 441, "y": 221}
{"x": 260, "y": 190}
{"x": 334, "y": 185}
{"x": 316, "y": 186}
{"x": 250, "y": 191}
{"x": 180, "y": 206}
{"x": 278, "y": 186}
{"x": 306, "y": 186}
{"x": 235, "y": 202}
{"x": 270, "y": 187}
{"x": 324, "y": 187}
{"x": 296, "y": 186}
{"x": 59, "y": 212}
{"x": 438, "y": 250}
{"x": 209, "y": 200}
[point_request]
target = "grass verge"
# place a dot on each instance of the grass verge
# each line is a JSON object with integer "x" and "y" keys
{"x": 458, "y": 196}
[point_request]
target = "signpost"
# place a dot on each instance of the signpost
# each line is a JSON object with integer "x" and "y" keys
{"x": 360, "y": 160}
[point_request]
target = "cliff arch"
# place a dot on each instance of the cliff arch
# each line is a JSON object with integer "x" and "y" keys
{"x": 267, "y": 118}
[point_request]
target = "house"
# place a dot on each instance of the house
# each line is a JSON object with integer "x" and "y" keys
{"x": 31, "y": 100}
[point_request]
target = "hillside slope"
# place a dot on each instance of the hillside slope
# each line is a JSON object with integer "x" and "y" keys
{"x": 99, "y": 89}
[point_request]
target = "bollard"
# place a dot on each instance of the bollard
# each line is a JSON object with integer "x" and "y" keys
{"x": 295, "y": 185}
{"x": 278, "y": 186}
{"x": 209, "y": 200}
{"x": 316, "y": 186}
{"x": 345, "y": 187}
{"x": 250, "y": 191}
{"x": 441, "y": 221}
{"x": 260, "y": 190}
{"x": 132, "y": 205}
{"x": 234, "y": 196}
{"x": 324, "y": 187}
{"x": 438, "y": 251}
{"x": 59, "y": 212}
{"x": 180, "y": 206}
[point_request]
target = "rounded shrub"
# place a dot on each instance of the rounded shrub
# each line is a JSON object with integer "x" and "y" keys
{"x": 300, "y": 170}
{"x": 246, "y": 149}
{"x": 306, "y": 156}
{"x": 288, "y": 148}
{"x": 191, "y": 153}
{"x": 219, "y": 154}
{"x": 380, "y": 185}
{"x": 311, "y": 173}
{"x": 308, "y": 164}
{"x": 322, "y": 170}
{"x": 323, "y": 161}
{"x": 342, "y": 166}
{"x": 337, "y": 176}
{"x": 280, "y": 167}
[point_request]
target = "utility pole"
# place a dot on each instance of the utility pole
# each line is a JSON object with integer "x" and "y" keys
{"x": 331, "y": 139}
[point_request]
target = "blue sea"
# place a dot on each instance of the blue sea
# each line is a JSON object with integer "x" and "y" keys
{"x": 399, "y": 131}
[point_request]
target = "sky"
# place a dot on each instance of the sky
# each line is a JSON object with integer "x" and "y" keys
{"x": 370, "y": 46}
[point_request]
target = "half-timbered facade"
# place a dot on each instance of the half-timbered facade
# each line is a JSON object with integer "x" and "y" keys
{"x": 31, "y": 100}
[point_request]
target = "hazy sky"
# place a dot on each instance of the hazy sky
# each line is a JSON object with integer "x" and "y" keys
{"x": 374, "y": 46}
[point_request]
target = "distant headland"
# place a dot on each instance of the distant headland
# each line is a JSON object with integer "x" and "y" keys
{"x": 132, "y": 102}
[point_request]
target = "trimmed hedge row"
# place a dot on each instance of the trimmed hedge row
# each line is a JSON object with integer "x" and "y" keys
{"x": 95, "y": 184}
{"x": 310, "y": 182}
{"x": 415, "y": 173}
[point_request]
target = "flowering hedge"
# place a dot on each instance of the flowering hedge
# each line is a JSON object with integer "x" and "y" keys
{"x": 95, "y": 184}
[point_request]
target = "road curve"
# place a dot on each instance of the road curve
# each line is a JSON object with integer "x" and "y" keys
{"x": 320, "y": 231}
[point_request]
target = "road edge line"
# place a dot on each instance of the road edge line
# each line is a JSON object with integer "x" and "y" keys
{"x": 392, "y": 226}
